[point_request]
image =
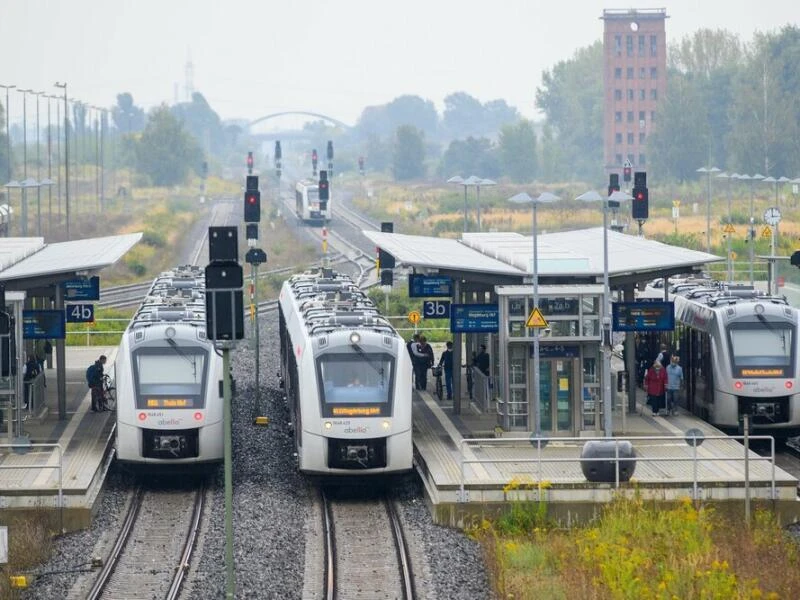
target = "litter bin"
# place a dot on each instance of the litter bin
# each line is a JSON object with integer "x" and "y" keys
{"x": 605, "y": 470}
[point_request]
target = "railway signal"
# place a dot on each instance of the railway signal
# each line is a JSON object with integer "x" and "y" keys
{"x": 278, "y": 156}
{"x": 249, "y": 163}
{"x": 314, "y": 162}
{"x": 330, "y": 158}
{"x": 613, "y": 183}
{"x": 626, "y": 171}
{"x": 252, "y": 206}
{"x": 324, "y": 190}
{"x": 641, "y": 200}
{"x": 361, "y": 165}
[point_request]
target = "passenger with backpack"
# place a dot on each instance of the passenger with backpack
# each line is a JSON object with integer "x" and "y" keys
{"x": 94, "y": 379}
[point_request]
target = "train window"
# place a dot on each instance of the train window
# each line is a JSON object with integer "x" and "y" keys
{"x": 356, "y": 380}
{"x": 167, "y": 378}
{"x": 762, "y": 349}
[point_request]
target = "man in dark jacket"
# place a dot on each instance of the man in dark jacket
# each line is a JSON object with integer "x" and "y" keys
{"x": 446, "y": 362}
{"x": 481, "y": 360}
{"x": 94, "y": 378}
{"x": 423, "y": 360}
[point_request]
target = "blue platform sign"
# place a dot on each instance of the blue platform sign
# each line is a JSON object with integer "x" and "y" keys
{"x": 474, "y": 318}
{"x": 43, "y": 324}
{"x": 436, "y": 309}
{"x": 82, "y": 289}
{"x": 80, "y": 313}
{"x": 643, "y": 316}
{"x": 429, "y": 286}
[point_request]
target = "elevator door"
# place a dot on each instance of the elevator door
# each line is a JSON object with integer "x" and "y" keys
{"x": 556, "y": 383}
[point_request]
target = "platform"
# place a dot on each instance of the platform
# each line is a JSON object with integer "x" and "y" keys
{"x": 468, "y": 468}
{"x": 29, "y": 475}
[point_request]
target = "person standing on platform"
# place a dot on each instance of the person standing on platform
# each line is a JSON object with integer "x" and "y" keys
{"x": 481, "y": 360}
{"x": 94, "y": 378}
{"x": 39, "y": 351}
{"x": 674, "y": 384}
{"x": 423, "y": 360}
{"x": 31, "y": 371}
{"x": 410, "y": 347}
{"x": 446, "y": 362}
{"x": 655, "y": 384}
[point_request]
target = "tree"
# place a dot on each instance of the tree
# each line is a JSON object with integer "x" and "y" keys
{"x": 404, "y": 110}
{"x": 518, "y": 151}
{"x": 571, "y": 96}
{"x": 473, "y": 156}
{"x": 202, "y": 122}
{"x": 166, "y": 152}
{"x": 465, "y": 116}
{"x": 128, "y": 118}
{"x": 408, "y": 153}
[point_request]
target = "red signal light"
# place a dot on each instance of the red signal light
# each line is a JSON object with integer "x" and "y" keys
{"x": 640, "y": 196}
{"x": 251, "y": 199}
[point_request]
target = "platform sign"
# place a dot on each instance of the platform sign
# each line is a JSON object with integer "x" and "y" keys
{"x": 436, "y": 309}
{"x": 80, "y": 313}
{"x": 474, "y": 318}
{"x": 643, "y": 316}
{"x": 82, "y": 289}
{"x": 43, "y": 324}
{"x": 429, "y": 286}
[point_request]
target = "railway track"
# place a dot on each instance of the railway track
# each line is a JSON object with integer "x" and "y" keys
{"x": 366, "y": 555}
{"x": 153, "y": 550}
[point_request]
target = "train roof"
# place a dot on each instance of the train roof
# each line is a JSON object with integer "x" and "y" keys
{"x": 719, "y": 293}
{"x": 328, "y": 301}
{"x": 176, "y": 296}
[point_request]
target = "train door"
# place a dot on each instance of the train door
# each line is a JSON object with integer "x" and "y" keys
{"x": 558, "y": 380}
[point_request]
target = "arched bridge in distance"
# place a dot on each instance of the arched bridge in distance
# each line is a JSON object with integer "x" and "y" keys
{"x": 336, "y": 122}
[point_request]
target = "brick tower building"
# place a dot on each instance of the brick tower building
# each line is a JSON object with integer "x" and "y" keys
{"x": 634, "y": 80}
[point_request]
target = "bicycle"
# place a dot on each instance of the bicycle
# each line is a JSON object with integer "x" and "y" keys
{"x": 437, "y": 373}
{"x": 109, "y": 393}
{"x": 469, "y": 380}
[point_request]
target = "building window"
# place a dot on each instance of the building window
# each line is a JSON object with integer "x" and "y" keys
{"x": 629, "y": 45}
{"x": 653, "y": 46}
{"x": 642, "y": 72}
{"x": 618, "y": 117}
{"x": 630, "y": 139}
{"x": 630, "y": 94}
{"x": 630, "y": 116}
{"x": 618, "y": 138}
{"x": 641, "y": 138}
{"x": 618, "y": 44}
{"x": 642, "y": 161}
{"x": 618, "y": 73}
{"x": 652, "y": 116}
{"x": 653, "y": 73}
{"x": 629, "y": 72}
{"x": 642, "y": 94}
{"x": 617, "y": 94}
{"x": 653, "y": 94}
{"x": 618, "y": 159}
{"x": 641, "y": 45}
{"x": 641, "y": 115}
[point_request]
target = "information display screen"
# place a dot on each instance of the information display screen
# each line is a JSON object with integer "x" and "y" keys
{"x": 82, "y": 289}
{"x": 643, "y": 316}
{"x": 474, "y": 318}
{"x": 429, "y": 286}
{"x": 169, "y": 403}
{"x": 44, "y": 324}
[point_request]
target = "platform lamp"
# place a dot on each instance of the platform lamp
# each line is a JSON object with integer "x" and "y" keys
{"x": 544, "y": 198}
{"x": 478, "y": 184}
{"x": 613, "y": 200}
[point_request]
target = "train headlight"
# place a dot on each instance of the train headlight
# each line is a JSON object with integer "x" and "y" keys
{"x": 385, "y": 425}
{"x": 758, "y": 309}
{"x": 170, "y": 332}
{"x": 738, "y": 385}
{"x": 355, "y": 338}
{"x": 328, "y": 425}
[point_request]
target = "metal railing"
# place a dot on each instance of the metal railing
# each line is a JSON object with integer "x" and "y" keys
{"x": 540, "y": 443}
{"x": 24, "y": 449}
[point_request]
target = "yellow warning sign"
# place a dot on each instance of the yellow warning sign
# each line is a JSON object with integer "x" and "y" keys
{"x": 766, "y": 232}
{"x": 414, "y": 317}
{"x": 536, "y": 320}
{"x": 728, "y": 229}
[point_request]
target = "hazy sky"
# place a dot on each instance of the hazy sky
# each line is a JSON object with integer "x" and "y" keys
{"x": 253, "y": 58}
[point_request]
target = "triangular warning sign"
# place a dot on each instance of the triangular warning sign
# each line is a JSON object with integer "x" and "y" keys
{"x": 536, "y": 319}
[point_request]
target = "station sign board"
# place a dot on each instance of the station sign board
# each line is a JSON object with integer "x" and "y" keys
{"x": 43, "y": 324}
{"x": 80, "y": 313}
{"x": 429, "y": 286}
{"x": 436, "y": 309}
{"x": 643, "y": 316}
{"x": 87, "y": 288}
{"x": 474, "y": 318}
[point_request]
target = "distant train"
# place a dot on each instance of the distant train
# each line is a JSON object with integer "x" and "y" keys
{"x": 739, "y": 352}
{"x": 169, "y": 377}
{"x": 347, "y": 376}
{"x": 308, "y": 207}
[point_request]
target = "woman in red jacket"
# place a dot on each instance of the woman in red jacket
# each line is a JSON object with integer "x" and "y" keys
{"x": 655, "y": 384}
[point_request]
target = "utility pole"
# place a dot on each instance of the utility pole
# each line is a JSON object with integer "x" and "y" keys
{"x": 66, "y": 154}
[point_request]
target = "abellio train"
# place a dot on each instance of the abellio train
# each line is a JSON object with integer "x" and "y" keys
{"x": 307, "y": 204}
{"x": 168, "y": 377}
{"x": 347, "y": 376}
{"x": 739, "y": 352}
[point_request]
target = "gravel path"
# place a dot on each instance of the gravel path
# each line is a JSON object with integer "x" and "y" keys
{"x": 272, "y": 508}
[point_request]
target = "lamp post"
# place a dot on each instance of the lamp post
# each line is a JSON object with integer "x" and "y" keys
{"x": 66, "y": 155}
{"x": 24, "y": 207}
{"x": 724, "y": 175}
{"x": 524, "y": 198}
{"x": 753, "y": 179}
{"x": 478, "y": 183}
{"x": 8, "y": 133}
{"x": 12, "y": 185}
{"x": 461, "y": 181}
{"x": 49, "y": 167}
{"x": 708, "y": 171}
{"x": 611, "y": 201}
{"x": 38, "y": 170}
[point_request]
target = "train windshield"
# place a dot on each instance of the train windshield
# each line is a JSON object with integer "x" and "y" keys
{"x": 762, "y": 349}
{"x": 356, "y": 385}
{"x": 313, "y": 194}
{"x": 171, "y": 377}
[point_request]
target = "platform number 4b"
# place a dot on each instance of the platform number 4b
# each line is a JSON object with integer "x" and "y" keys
{"x": 80, "y": 313}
